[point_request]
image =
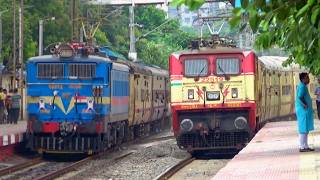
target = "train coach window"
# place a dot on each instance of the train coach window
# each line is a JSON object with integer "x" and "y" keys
{"x": 286, "y": 90}
{"x": 196, "y": 67}
{"x": 82, "y": 71}
{"x": 50, "y": 70}
{"x": 227, "y": 66}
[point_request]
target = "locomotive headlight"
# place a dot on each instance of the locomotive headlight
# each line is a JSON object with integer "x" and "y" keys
{"x": 213, "y": 95}
{"x": 234, "y": 92}
{"x": 190, "y": 94}
{"x": 186, "y": 125}
{"x": 240, "y": 122}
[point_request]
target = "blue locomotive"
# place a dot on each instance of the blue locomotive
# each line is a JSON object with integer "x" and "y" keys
{"x": 81, "y": 103}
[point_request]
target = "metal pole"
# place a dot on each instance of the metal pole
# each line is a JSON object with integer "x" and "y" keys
{"x": 132, "y": 52}
{"x": 1, "y": 35}
{"x": 21, "y": 54}
{"x": 40, "y": 37}
{"x": 14, "y": 45}
{"x": 1, "y": 46}
{"x": 81, "y": 35}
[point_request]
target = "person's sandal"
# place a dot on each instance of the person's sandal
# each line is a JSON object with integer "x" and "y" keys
{"x": 310, "y": 149}
{"x": 304, "y": 150}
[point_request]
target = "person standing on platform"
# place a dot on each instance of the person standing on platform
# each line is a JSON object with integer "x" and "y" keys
{"x": 15, "y": 106}
{"x": 2, "y": 106}
{"x": 9, "y": 109}
{"x": 304, "y": 112}
{"x": 317, "y": 93}
{"x": 6, "y": 106}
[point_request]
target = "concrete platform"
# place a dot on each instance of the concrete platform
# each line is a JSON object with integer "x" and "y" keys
{"x": 12, "y": 133}
{"x": 274, "y": 154}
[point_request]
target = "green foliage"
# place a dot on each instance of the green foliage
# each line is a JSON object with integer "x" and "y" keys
{"x": 58, "y": 30}
{"x": 291, "y": 25}
{"x": 101, "y": 38}
{"x": 156, "y": 39}
{"x": 192, "y": 4}
{"x": 153, "y": 48}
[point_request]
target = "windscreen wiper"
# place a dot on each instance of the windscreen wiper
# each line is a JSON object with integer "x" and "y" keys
{"x": 224, "y": 73}
{"x": 198, "y": 76}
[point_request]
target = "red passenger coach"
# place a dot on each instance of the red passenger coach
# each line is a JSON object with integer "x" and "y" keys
{"x": 213, "y": 98}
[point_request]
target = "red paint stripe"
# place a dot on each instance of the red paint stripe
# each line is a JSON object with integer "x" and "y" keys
{"x": 174, "y": 65}
{"x": 51, "y": 127}
{"x": 213, "y": 106}
{"x": 119, "y": 100}
{"x": 99, "y": 127}
{"x": 81, "y": 97}
{"x": 248, "y": 65}
{"x": 176, "y": 77}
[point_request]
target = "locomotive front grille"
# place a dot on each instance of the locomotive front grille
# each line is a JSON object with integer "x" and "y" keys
{"x": 72, "y": 144}
{"x": 213, "y": 140}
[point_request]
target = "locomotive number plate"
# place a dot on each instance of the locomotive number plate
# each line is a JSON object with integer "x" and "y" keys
{"x": 74, "y": 86}
{"x": 55, "y": 86}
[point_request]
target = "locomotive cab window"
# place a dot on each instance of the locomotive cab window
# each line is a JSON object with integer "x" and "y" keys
{"x": 81, "y": 71}
{"x": 196, "y": 67}
{"x": 50, "y": 70}
{"x": 230, "y": 66}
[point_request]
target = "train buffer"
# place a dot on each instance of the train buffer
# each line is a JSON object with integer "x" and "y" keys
{"x": 273, "y": 154}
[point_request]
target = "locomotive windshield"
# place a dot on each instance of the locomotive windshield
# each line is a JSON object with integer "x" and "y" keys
{"x": 196, "y": 67}
{"x": 227, "y": 66}
{"x": 74, "y": 70}
{"x": 50, "y": 70}
{"x": 81, "y": 71}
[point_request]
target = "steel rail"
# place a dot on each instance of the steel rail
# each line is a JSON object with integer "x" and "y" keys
{"x": 21, "y": 166}
{"x": 162, "y": 138}
{"x": 73, "y": 166}
{"x": 174, "y": 169}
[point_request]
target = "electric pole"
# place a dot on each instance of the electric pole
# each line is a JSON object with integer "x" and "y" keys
{"x": 21, "y": 54}
{"x": 132, "y": 51}
{"x": 1, "y": 12}
{"x": 74, "y": 17}
{"x": 40, "y": 37}
{"x": 14, "y": 45}
{"x": 1, "y": 35}
{"x": 1, "y": 42}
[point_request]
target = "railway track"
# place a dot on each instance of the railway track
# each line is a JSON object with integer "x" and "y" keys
{"x": 73, "y": 166}
{"x": 190, "y": 167}
{"x": 21, "y": 166}
{"x": 174, "y": 169}
{"x": 40, "y": 169}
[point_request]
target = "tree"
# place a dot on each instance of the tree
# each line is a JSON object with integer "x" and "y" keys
{"x": 293, "y": 25}
{"x": 54, "y": 31}
{"x": 153, "y": 45}
{"x": 112, "y": 32}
